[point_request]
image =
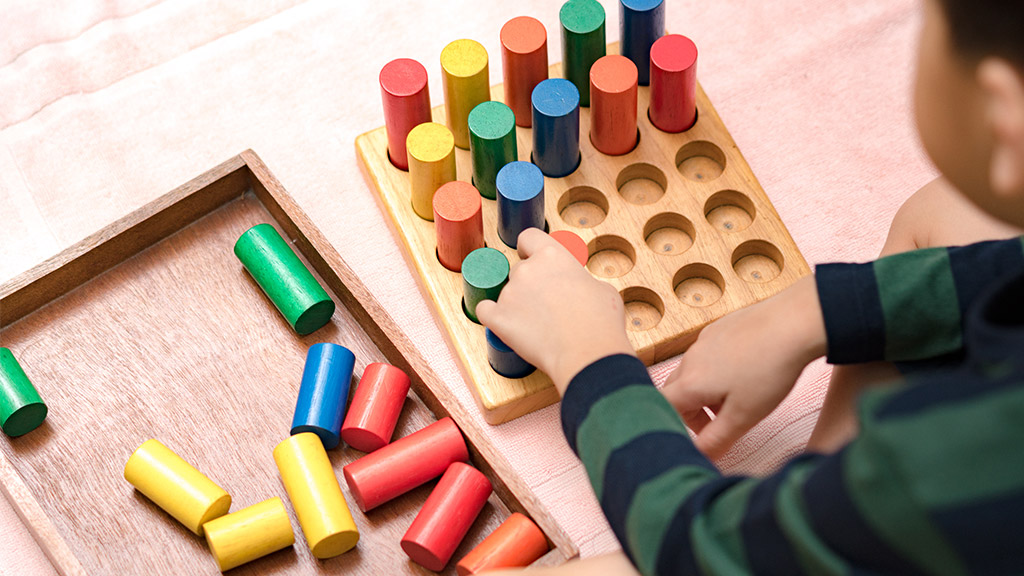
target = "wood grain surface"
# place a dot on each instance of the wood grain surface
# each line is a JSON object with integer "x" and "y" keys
{"x": 152, "y": 329}
{"x": 680, "y": 226}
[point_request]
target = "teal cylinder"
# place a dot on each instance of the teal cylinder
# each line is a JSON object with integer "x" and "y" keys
{"x": 492, "y": 144}
{"x": 484, "y": 274}
{"x": 583, "y": 43}
{"x": 304, "y": 304}
{"x": 21, "y": 408}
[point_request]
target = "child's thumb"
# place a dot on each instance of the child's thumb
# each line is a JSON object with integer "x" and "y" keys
{"x": 718, "y": 436}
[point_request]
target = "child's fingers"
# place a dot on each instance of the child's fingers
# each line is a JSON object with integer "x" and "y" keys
{"x": 532, "y": 240}
{"x": 696, "y": 420}
{"x": 487, "y": 314}
{"x": 718, "y": 435}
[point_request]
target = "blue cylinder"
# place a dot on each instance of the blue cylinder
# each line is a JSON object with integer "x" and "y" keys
{"x": 323, "y": 394}
{"x": 556, "y": 127}
{"x": 504, "y": 360}
{"x": 641, "y": 22}
{"x": 520, "y": 200}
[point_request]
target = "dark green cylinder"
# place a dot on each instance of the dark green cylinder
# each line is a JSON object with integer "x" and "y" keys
{"x": 284, "y": 278}
{"x": 21, "y": 408}
{"x": 484, "y": 274}
{"x": 583, "y": 42}
{"x": 492, "y": 143}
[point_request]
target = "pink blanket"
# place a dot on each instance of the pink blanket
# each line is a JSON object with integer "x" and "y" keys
{"x": 105, "y": 105}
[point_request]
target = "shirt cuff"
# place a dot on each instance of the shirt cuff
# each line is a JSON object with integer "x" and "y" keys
{"x": 596, "y": 381}
{"x": 852, "y": 308}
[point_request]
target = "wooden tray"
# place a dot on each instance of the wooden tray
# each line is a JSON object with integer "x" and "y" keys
{"x": 151, "y": 329}
{"x": 680, "y": 226}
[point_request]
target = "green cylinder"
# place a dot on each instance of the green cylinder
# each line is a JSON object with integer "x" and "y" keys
{"x": 284, "y": 278}
{"x": 21, "y": 408}
{"x": 492, "y": 144}
{"x": 582, "y": 42}
{"x": 484, "y": 274}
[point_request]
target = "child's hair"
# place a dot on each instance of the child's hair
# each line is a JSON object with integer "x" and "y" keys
{"x": 981, "y": 28}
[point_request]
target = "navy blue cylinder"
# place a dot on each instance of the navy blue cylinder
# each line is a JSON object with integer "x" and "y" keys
{"x": 504, "y": 360}
{"x": 556, "y": 127}
{"x": 641, "y": 22}
{"x": 520, "y": 188}
{"x": 323, "y": 394}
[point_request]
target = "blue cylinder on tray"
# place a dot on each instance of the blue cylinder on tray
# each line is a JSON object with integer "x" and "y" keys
{"x": 641, "y": 22}
{"x": 323, "y": 394}
{"x": 556, "y": 127}
{"x": 504, "y": 360}
{"x": 520, "y": 200}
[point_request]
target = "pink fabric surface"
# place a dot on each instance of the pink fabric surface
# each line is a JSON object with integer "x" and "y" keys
{"x": 106, "y": 105}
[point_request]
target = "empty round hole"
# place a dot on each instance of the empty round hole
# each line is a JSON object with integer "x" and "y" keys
{"x": 644, "y": 308}
{"x": 583, "y": 207}
{"x": 641, "y": 183}
{"x": 610, "y": 256}
{"x": 700, "y": 161}
{"x": 698, "y": 285}
{"x": 669, "y": 234}
{"x": 729, "y": 211}
{"x": 757, "y": 261}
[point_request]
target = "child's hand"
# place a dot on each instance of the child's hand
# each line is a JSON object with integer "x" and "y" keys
{"x": 744, "y": 365}
{"x": 553, "y": 313}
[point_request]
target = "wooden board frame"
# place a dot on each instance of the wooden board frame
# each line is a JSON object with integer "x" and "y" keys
{"x": 204, "y": 195}
{"x": 672, "y": 189}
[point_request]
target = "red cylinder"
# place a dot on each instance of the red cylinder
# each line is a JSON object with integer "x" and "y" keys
{"x": 405, "y": 464}
{"x": 673, "y": 83}
{"x": 446, "y": 516}
{"x": 376, "y": 405}
{"x": 459, "y": 223}
{"x": 613, "y": 105}
{"x": 574, "y": 244}
{"x": 524, "y": 62}
{"x": 406, "y": 98}
{"x": 517, "y": 543}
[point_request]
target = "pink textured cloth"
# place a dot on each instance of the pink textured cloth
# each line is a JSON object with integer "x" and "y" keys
{"x": 105, "y": 105}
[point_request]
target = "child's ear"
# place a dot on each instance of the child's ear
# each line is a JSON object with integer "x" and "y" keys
{"x": 1003, "y": 87}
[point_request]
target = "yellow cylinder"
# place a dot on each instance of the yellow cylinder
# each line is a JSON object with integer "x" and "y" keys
{"x": 249, "y": 534}
{"x": 316, "y": 496}
{"x": 431, "y": 151}
{"x": 466, "y": 84}
{"x": 174, "y": 485}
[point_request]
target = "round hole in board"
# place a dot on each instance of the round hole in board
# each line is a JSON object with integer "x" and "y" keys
{"x": 669, "y": 234}
{"x": 644, "y": 308}
{"x": 700, "y": 161}
{"x": 610, "y": 257}
{"x": 698, "y": 285}
{"x": 729, "y": 211}
{"x": 583, "y": 207}
{"x": 757, "y": 261}
{"x": 641, "y": 183}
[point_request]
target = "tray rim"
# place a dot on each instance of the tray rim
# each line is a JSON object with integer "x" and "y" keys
{"x": 175, "y": 210}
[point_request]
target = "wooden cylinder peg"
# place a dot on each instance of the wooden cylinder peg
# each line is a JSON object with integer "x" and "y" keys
{"x": 484, "y": 274}
{"x": 524, "y": 63}
{"x": 517, "y": 543}
{"x": 458, "y": 222}
{"x": 406, "y": 97}
{"x": 504, "y": 360}
{"x": 556, "y": 127}
{"x": 431, "y": 150}
{"x": 313, "y": 489}
{"x": 466, "y": 85}
{"x": 175, "y": 486}
{"x": 613, "y": 92}
{"x": 405, "y": 464}
{"x": 250, "y": 533}
{"x": 272, "y": 263}
{"x": 21, "y": 408}
{"x": 582, "y": 42}
{"x": 446, "y": 516}
{"x": 574, "y": 244}
{"x": 641, "y": 23}
{"x": 323, "y": 394}
{"x": 520, "y": 200}
{"x": 673, "y": 83}
{"x": 376, "y": 406}
{"x": 492, "y": 143}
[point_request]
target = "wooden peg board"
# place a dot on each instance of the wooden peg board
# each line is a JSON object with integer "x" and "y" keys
{"x": 680, "y": 226}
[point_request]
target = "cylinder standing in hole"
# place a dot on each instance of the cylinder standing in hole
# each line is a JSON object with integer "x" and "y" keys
{"x": 406, "y": 98}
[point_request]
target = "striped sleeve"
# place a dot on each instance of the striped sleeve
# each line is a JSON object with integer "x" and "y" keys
{"x": 909, "y": 306}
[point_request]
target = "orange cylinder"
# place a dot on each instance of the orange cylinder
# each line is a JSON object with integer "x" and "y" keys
{"x": 574, "y": 244}
{"x": 613, "y": 92}
{"x": 518, "y": 542}
{"x": 524, "y": 62}
{"x": 459, "y": 223}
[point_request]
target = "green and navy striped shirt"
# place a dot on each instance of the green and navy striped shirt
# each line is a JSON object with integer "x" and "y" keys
{"x": 933, "y": 484}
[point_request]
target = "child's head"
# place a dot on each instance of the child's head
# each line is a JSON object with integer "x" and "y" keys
{"x": 970, "y": 99}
